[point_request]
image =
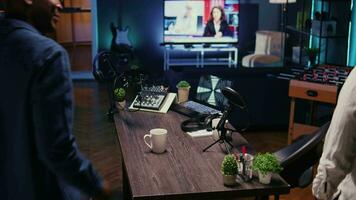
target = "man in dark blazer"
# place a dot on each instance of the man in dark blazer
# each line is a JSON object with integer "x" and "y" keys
{"x": 39, "y": 158}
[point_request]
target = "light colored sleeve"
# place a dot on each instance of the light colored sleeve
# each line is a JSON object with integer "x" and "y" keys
{"x": 339, "y": 147}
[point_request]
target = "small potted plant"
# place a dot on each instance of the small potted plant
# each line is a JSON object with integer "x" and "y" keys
{"x": 229, "y": 170}
{"x": 312, "y": 53}
{"x": 266, "y": 164}
{"x": 183, "y": 91}
{"x": 120, "y": 94}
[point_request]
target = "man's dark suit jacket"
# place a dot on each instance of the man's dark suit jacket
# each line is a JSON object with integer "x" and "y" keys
{"x": 39, "y": 156}
{"x": 209, "y": 30}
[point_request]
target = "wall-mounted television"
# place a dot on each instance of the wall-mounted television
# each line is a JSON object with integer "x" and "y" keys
{"x": 200, "y": 21}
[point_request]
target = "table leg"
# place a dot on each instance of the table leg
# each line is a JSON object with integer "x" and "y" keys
{"x": 291, "y": 121}
{"x": 168, "y": 60}
{"x": 236, "y": 57}
{"x": 230, "y": 59}
{"x": 262, "y": 198}
{"x": 164, "y": 59}
{"x": 197, "y": 60}
{"x": 276, "y": 197}
{"x": 126, "y": 185}
{"x": 202, "y": 59}
{"x": 314, "y": 112}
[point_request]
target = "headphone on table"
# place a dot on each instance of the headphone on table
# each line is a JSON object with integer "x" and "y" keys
{"x": 198, "y": 123}
{"x": 204, "y": 121}
{"x": 100, "y": 74}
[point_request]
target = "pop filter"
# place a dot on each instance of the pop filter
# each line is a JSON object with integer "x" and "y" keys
{"x": 234, "y": 97}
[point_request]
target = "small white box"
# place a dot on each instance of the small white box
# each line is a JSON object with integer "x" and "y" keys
{"x": 328, "y": 28}
{"x": 296, "y": 54}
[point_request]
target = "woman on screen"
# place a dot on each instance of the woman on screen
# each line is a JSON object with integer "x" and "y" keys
{"x": 217, "y": 25}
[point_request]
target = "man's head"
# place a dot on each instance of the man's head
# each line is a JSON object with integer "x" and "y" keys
{"x": 42, "y": 14}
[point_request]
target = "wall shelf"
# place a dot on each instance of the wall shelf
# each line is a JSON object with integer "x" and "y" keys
{"x": 321, "y": 24}
{"x": 75, "y": 10}
{"x": 307, "y": 32}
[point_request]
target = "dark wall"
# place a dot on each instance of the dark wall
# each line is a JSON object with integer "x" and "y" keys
{"x": 248, "y": 25}
{"x": 256, "y": 15}
{"x": 266, "y": 98}
{"x": 107, "y": 11}
{"x": 145, "y": 19}
{"x": 268, "y": 14}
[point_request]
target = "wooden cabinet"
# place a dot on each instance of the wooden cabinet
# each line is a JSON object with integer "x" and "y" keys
{"x": 309, "y": 91}
{"x": 75, "y": 23}
{"x": 74, "y": 32}
{"x": 313, "y": 91}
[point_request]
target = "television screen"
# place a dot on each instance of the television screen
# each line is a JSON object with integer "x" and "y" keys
{"x": 201, "y": 21}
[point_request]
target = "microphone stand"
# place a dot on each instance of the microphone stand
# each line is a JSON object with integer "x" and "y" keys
{"x": 110, "y": 85}
{"x": 112, "y": 109}
{"x": 223, "y": 130}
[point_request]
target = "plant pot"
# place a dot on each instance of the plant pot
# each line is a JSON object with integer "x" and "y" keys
{"x": 183, "y": 94}
{"x": 229, "y": 180}
{"x": 265, "y": 178}
{"x": 120, "y": 105}
{"x": 312, "y": 60}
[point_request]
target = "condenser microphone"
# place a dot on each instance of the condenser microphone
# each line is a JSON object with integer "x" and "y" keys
{"x": 234, "y": 100}
{"x": 233, "y": 97}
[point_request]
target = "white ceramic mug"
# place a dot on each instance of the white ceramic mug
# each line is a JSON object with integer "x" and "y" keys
{"x": 158, "y": 140}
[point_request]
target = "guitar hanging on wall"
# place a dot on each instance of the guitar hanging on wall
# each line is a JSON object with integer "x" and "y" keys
{"x": 120, "y": 44}
{"x": 120, "y": 37}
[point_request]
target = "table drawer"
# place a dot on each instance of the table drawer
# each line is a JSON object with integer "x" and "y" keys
{"x": 313, "y": 91}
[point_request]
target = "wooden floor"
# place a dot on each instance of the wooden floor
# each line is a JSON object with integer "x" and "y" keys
{"x": 97, "y": 139}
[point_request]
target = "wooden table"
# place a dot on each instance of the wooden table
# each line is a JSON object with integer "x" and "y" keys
{"x": 183, "y": 171}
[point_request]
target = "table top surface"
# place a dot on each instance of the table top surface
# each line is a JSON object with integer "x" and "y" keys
{"x": 184, "y": 171}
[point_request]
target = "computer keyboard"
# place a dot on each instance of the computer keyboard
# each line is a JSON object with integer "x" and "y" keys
{"x": 200, "y": 108}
